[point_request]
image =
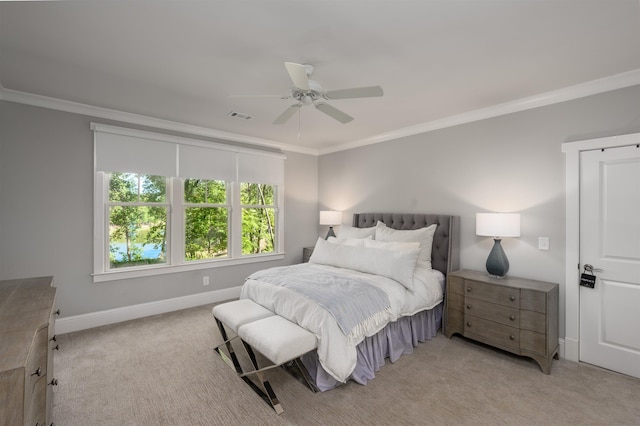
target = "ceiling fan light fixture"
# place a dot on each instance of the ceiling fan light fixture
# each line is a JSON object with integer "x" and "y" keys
{"x": 309, "y": 92}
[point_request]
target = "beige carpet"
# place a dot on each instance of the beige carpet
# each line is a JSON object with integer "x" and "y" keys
{"x": 162, "y": 371}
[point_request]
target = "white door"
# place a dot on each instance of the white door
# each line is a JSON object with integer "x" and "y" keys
{"x": 610, "y": 242}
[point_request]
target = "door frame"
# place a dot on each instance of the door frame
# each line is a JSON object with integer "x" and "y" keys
{"x": 572, "y": 152}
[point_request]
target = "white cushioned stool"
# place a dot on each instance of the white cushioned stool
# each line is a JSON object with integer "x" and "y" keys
{"x": 278, "y": 339}
{"x": 233, "y": 315}
{"x": 239, "y": 312}
{"x": 281, "y": 341}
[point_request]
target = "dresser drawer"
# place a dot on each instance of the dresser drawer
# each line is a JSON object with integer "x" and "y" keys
{"x": 36, "y": 365}
{"x": 26, "y": 360}
{"x": 492, "y": 312}
{"x": 533, "y": 301}
{"x": 533, "y": 321}
{"x": 533, "y": 342}
{"x": 36, "y": 402}
{"x": 491, "y": 332}
{"x": 507, "y": 296}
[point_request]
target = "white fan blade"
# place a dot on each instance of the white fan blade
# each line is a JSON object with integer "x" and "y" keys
{"x": 298, "y": 75}
{"x": 334, "y": 113}
{"x": 259, "y": 97}
{"x": 356, "y": 92}
{"x": 287, "y": 114}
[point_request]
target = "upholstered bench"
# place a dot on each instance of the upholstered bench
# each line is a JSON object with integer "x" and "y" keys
{"x": 233, "y": 315}
{"x": 276, "y": 338}
{"x": 280, "y": 341}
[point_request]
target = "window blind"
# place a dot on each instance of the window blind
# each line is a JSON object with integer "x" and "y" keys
{"x": 122, "y": 153}
{"x": 119, "y": 149}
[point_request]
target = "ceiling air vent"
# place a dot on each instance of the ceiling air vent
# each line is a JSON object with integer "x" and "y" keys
{"x": 240, "y": 115}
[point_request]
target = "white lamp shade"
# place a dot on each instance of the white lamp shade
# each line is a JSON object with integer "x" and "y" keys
{"x": 330, "y": 217}
{"x": 498, "y": 224}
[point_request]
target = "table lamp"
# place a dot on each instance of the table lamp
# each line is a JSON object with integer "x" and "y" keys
{"x": 497, "y": 225}
{"x": 331, "y": 218}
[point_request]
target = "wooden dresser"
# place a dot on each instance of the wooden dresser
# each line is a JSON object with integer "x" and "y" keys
{"x": 27, "y": 342}
{"x": 514, "y": 314}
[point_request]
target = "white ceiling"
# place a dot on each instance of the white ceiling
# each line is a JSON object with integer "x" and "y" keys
{"x": 180, "y": 60}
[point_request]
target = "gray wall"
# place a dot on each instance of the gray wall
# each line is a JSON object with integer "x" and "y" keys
{"x": 511, "y": 163}
{"x": 46, "y": 215}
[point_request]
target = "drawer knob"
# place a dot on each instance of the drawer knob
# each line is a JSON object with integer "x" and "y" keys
{"x": 54, "y": 382}
{"x": 512, "y": 337}
{"x": 468, "y": 323}
{"x": 55, "y": 338}
{"x": 37, "y": 372}
{"x": 468, "y": 306}
{"x": 512, "y": 317}
{"x": 512, "y": 298}
{"x": 57, "y": 312}
{"x": 56, "y": 348}
{"x": 469, "y": 289}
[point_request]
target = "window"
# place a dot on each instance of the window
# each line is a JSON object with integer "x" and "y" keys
{"x": 258, "y": 218}
{"x": 206, "y": 219}
{"x": 165, "y": 204}
{"x": 137, "y": 218}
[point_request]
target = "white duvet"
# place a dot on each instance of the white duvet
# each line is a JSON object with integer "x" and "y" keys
{"x": 337, "y": 352}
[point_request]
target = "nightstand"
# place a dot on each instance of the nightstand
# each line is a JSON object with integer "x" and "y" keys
{"x": 306, "y": 254}
{"x": 517, "y": 315}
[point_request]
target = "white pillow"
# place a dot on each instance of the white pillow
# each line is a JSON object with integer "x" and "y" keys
{"x": 422, "y": 235}
{"x": 355, "y": 242}
{"x": 391, "y": 245}
{"x": 398, "y": 265}
{"x": 346, "y": 231}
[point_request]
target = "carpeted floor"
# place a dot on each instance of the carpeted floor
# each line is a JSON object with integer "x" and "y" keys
{"x": 162, "y": 370}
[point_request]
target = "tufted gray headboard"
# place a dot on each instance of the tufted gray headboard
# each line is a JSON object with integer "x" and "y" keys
{"x": 445, "y": 254}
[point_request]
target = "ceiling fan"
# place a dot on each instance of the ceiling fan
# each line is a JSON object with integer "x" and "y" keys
{"x": 309, "y": 92}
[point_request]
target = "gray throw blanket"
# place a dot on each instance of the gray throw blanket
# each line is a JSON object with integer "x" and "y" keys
{"x": 351, "y": 301}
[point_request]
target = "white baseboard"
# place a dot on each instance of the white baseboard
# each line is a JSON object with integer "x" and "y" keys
{"x": 113, "y": 316}
{"x": 572, "y": 349}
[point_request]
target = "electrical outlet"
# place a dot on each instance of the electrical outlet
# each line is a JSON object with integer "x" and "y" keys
{"x": 205, "y": 280}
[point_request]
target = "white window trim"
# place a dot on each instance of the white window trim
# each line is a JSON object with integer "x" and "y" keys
{"x": 177, "y": 263}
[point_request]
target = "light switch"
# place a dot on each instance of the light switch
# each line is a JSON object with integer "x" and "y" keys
{"x": 543, "y": 243}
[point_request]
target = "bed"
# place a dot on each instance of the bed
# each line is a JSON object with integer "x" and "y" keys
{"x": 373, "y": 293}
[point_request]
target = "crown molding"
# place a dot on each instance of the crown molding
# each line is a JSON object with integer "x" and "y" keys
{"x": 142, "y": 120}
{"x": 594, "y": 87}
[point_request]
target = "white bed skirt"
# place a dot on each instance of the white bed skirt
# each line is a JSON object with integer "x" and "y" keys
{"x": 396, "y": 339}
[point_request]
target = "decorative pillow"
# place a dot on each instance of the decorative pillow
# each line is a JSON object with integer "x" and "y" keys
{"x": 346, "y": 231}
{"x": 355, "y": 242}
{"x": 390, "y": 245}
{"x": 422, "y": 235}
{"x": 398, "y": 265}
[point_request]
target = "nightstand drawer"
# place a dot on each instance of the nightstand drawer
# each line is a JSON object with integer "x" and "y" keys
{"x": 507, "y": 296}
{"x": 455, "y": 285}
{"x": 455, "y": 301}
{"x": 491, "y": 332}
{"x": 492, "y": 312}
{"x": 455, "y": 321}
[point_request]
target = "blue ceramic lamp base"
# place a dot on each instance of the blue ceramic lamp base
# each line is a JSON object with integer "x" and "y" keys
{"x": 497, "y": 262}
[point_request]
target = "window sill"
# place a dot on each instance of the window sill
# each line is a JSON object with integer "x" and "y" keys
{"x": 192, "y": 266}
